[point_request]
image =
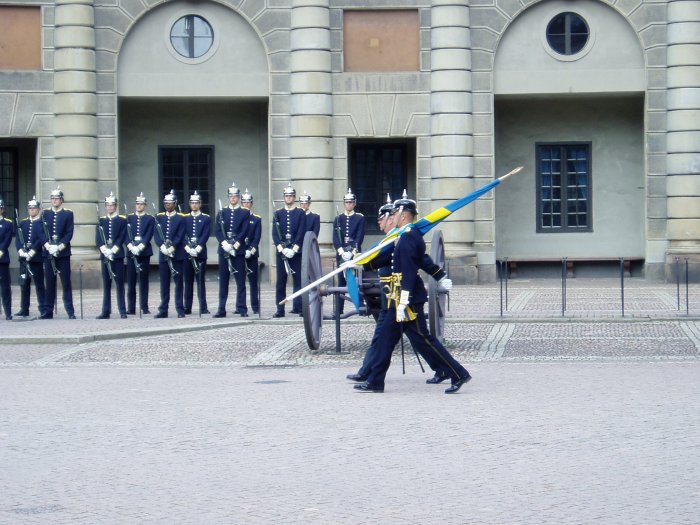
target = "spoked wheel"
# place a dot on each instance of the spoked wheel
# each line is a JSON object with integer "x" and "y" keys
{"x": 311, "y": 301}
{"x": 437, "y": 299}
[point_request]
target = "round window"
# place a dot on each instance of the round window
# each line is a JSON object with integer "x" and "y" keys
{"x": 191, "y": 36}
{"x": 567, "y": 33}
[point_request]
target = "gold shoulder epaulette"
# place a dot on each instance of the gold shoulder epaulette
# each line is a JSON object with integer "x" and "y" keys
{"x": 256, "y": 215}
{"x": 161, "y": 213}
{"x": 123, "y": 216}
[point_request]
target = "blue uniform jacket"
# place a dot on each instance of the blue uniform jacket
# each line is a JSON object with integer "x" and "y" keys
{"x": 34, "y": 239}
{"x": 197, "y": 232}
{"x": 407, "y": 259}
{"x": 142, "y": 229}
{"x": 173, "y": 227}
{"x": 114, "y": 229}
{"x": 313, "y": 222}
{"x": 60, "y": 226}
{"x": 235, "y": 226}
{"x": 7, "y": 231}
{"x": 292, "y": 226}
{"x": 352, "y": 229}
{"x": 252, "y": 240}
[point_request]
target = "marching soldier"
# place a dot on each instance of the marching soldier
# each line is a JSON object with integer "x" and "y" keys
{"x": 289, "y": 227}
{"x": 140, "y": 227}
{"x": 30, "y": 252}
{"x": 406, "y": 297}
{"x": 197, "y": 231}
{"x": 348, "y": 234}
{"x": 251, "y": 242}
{"x": 313, "y": 220}
{"x": 170, "y": 238}
{"x": 57, "y": 223}
{"x": 7, "y": 231}
{"x": 231, "y": 231}
{"x": 110, "y": 237}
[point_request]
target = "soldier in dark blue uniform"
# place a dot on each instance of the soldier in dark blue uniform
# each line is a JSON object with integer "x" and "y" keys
{"x": 252, "y": 243}
{"x": 197, "y": 231}
{"x": 231, "y": 230}
{"x": 140, "y": 230}
{"x": 7, "y": 232}
{"x": 110, "y": 237}
{"x": 313, "y": 220}
{"x": 348, "y": 234}
{"x": 58, "y": 224}
{"x": 31, "y": 253}
{"x": 288, "y": 229}
{"x": 170, "y": 238}
{"x": 407, "y": 297}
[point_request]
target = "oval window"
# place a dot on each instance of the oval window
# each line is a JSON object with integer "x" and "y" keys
{"x": 567, "y": 33}
{"x": 191, "y": 36}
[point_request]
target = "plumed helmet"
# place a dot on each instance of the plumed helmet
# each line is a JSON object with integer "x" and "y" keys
{"x": 405, "y": 204}
{"x": 247, "y": 196}
{"x": 386, "y": 207}
{"x": 349, "y": 196}
{"x": 289, "y": 189}
{"x": 111, "y": 198}
{"x": 141, "y": 199}
{"x": 305, "y": 197}
{"x": 233, "y": 190}
{"x": 57, "y": 193}
{"x": 196, "y": 197}
{"x": 33, "y": 202}
{"x": 170, "y": 197}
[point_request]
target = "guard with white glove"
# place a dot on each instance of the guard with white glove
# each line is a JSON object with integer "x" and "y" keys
{"x": 445, "y": 283}
{"x": 346, "y": 256}
{"x": 164, "y": 250}
{"x": 401, "y": 307}
{"x": 288, "y": 253}
{"x": 248, "y": 254}
{"x": 53, "y": 249}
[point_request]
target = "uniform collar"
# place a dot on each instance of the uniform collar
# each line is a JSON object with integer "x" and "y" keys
{"x": 116, "y": 214}
{"x": 290, "y": 207}
{"x": 308, "y": 212}
{"x": 232, "y": 207}
{"x": 37, "y": 218}
{"x": 140, "y": 214}
{"x": 171, "y": 213}
{"x": 56, "y": 210}
{"x": 195, "y": 213}
{"x": 349, "y": 213}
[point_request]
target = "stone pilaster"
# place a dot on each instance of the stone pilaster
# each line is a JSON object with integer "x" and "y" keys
{"x": 75, "y": 124}
{"x": 683, "y": 134}
{"x": 311, "y": 104}
{"x": 451, "y": 143}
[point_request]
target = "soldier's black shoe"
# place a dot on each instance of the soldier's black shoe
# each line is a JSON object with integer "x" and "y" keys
{"x": 366, "y": 387}
{"x": 123, "y": 316}
{"x": 295, "y": 312}
{"x": 132, "y": 312}
{"x": 438, "y": 378}
{"x": 356, "y": 377}
{"x": 278, "y": 314}
{"x": 219, "y": 314}
{"x": 22, "y": 313}
{"x": 236, "y": 311}
{"x": 180, "y": 315}
{"x": 188, "y": 311}
{"x": 8, "y": 318}
{"x": 244, "y": 314}
{"x": 256, "y": 312}
{"x": 46, "y": 316}
{"x": 458, "y": 384}
{"x": 161, "y": 315}
{"x": 145, "y": 311}
{"x": 205, "y": 311}
{"x": 102, "y": 316}
{"x": 71, "y": 316}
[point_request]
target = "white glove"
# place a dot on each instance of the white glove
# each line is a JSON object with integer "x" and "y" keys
{"x": 53, "y": 249}
{"x": 104, "y": 250}
{"x": 21, "y": 252}
{"x": 445, "y": 283}
{"x": 346, "y": 256}
{"x": 288, "y": 253}
{"x": 27, "y": 256}
{"x": 248, "y": 254}
{"x": 400, "y": 313}
{"x": 135, "y": 250}
{"x": 189, "y": 250}
{"x": 109, "y": 255}
{"x": 171, "y": 251}
{"x": 226, "y": 246}
{"x": 164, "y": 249}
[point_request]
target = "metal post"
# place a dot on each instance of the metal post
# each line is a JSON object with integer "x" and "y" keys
{"x": 336, "y": 308}
{"x": 563, "y": 286}
{"x": 622, "y": 285}
{"x": 687, "y": 304}
{"x": 678, "y": 282}
{"x": 505, "y": 263}
{"x": 500, "y": 279}
{"x": 80, "y": 272}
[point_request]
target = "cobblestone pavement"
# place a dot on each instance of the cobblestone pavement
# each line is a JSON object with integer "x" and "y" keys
{"x": 586, "y": 417}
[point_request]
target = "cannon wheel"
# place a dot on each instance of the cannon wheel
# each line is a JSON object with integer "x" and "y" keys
{"x": 436, "y": 300}
{"x": 311, "y": 301}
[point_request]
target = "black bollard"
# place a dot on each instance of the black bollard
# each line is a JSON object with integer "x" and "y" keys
{"x": 622, "y": 285}
{"x": 563, "y": 286}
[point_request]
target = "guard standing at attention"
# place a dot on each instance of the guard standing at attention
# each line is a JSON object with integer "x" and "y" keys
{"x": 57, "y": 223}
{"x": 7, "y": 232}
{"x": 110, "y": 237}
{"x": 348, "y": 234}
{"x": 170, "y": 238}
{"x": 231, "y": 230}
{"x": 140, "y": 229}
{"x": 252, "y": 243}
{"x": 31, "y": 253}
{"x": 288, "y": 229}
{"x": 197, "y": 232}
{"x": 313, "y": 220}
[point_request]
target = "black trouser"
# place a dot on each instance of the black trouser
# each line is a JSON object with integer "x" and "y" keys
{"x": 118, "y": 270}
{"x": 5, "y": 290}
{"x": 165, "y": 277}
{"x": 281, "y": 285}
{"x": 252, "y": 263}
{"x": 195, "y": 280}
{"x": 238, "y": 262}
{"x": 37, "y": 268}
{"x": 132, "y": 277}
{"x": 63, "y": 266}
{"x": 423, "y": 342}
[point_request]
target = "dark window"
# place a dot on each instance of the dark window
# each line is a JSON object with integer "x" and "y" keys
{"x": 376, "y": 169}
{"x": 191, "y": 36}
{"x": 186, "y": 169}
{"x": 567, "y": 33}
{"x": 564, "y": 187}
{"x": 9, "y": 176}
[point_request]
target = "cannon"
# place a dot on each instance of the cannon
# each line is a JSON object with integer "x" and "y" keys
{"x": 369, "y": 289}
